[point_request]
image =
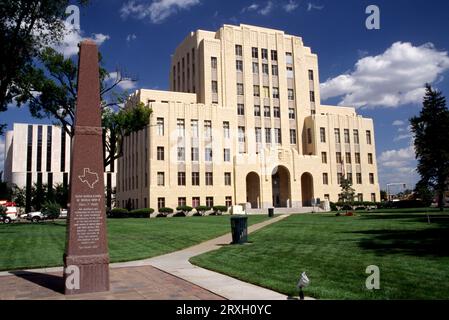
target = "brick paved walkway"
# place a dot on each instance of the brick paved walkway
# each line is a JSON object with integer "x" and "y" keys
{"x": 135, "y": 283}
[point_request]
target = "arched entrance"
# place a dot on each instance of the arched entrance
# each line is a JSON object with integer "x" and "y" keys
{"x": 307, "y": 189}
{"x": 253, "y": 190}
{"x": 281, "y": 187}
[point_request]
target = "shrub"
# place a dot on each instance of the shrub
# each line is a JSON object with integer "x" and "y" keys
{"x": 179, "y": 214}
{"x": 409, "y": 204}
{"x": 346, "y": 207}
{"x": 165, "y": 210}
{"x": 184, "y": 209}
{"x": 118, "y": 213}
{"x": 161, "y": 215}
{"x": 333, "y": 206}
{"x": 360, "y": 209}
{"x": 141, "y": 213}
{"x": 202, "y": 209}
{"x": 51, "y": 209}
{"x": 220, "y": 209}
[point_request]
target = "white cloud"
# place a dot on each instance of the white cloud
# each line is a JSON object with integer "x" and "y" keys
{"x": 124, "y": 84}
{"x": 2, "y": 153}
{"x": 311, "y": 6}
{"x": 267, "y": 9}
{"x": 131, "y": 37}
{"x": 252, "y": 7}
{"x": 290, "y": 6}
{"x": 397, "y": 158}
{"x": 156, "y": 10}
{"x": 398, "y": 166}
{"x": 391, "y": 79}
{"x": 72, "y": 37}
{"x": 398, "y": 123}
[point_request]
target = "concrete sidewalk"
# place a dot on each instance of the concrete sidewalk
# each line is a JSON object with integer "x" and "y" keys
{"x": 177, "y": 264}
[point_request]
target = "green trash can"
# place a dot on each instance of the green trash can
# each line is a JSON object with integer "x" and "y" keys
{"x": 271, "y": 212}
{"x": 239, "y": 226}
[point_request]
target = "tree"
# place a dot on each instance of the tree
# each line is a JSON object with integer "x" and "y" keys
{"x": 25, "y": 27}
{"x": 61, "y": 195}
{"x": 347, "y": 192}
{"x": 383, "y": 195}
{"x": 56, "y": 83}
{"x": 5, "y": 191}
{"x": 19, "y": 196}
{"x": 431, "y": 132}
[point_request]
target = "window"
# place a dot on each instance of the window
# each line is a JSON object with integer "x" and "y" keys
{"x": 209, "y": 179}
{"x": 356, "y": 137}
{"x": 311, "y": 75}
{"x": 181, "y": 154}
{"x": 338, "y": 157}
{"x": 195, "y": 178}
{"x": 213, "y": 62}
{"x": 266, "y": 112}
{"x": 312, "y": 96}
{"x": 228, "y": 202}
{"x": 349, "y": 176}
{"x": 290, "y": 72}
{"x": 371, "y": 178}
{"x": 226, "y": 131}
{"x": 160, "y": 127}
{"x": 208, "y": 154}
{"x": 256, "y": 90}
{"x": 277, "y": 136}
{"x": 274, "y": 55}
{"x": 323, "y": 157}
{"x": 255, "y": 53}
{"x": 323, "y": 135}
{"x": 258, "y": 135}
{"x": 360, "y": 197}
{"x": 194, "y": 127}
{"x": 257, "y": 111}
{"x": 241, "y": 109}
{"x": 274, "y": 70}
{"x": 275, "y": 93}
{"x": 357, "y": 158}
{"x": 368, "y": 137}
{"x": 291, "y": 94}
{"x": 293, "y": 136}
{"x": 160, "y": 154}
{"x": 268, "y": 135}
{"x": 195, "y": 202}
{"x": 266, "y": 92}
{"x": 373, "y": 197}
{"x": 241, "y": 134}
{"x": 291, "y": 113}
{"x": 209, "y": 202}
{"x": 348, "y": 157}
{"x": 288, "y": 58}
{"x": 265, "y": 68}
{"x": 309, "y": 136}
{"x": 195, "y": 154}
{"x": 370, "y": 158}
{"x": 346, "y": 135}
{"x": 227, "y": 155}
{"x": 339, "y": 178}
{"x": 227, "y": 178}
{"x": 337, "y": 136}
{"x": 239, "y": 65}
{"x": 358, "y": 177}
{"x": 277, "y": 112}
{"x": 264, "y": 54}
{"x": 207, "y": 129}
{"x": 182, "y": 202}
{"x": 160, "y": 203}
{"x": 255, "y": 67}
{"x": 240, "y": 91}
{"x": 161, "y": 179}
{"x": 181, "y": 128}
{"x": 325, "y": 179}
{"x": 238, "y": 50}
{"x": 181, "y": 178}
{"x": 214, "y": 86}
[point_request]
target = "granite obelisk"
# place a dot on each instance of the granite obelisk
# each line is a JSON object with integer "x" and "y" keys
{"x": 86, "y": 258}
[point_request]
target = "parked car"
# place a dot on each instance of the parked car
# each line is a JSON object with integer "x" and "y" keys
{"x": 11, "y": 214}
{"x": 36, "y": 216}
{"x": 63, "y": 214}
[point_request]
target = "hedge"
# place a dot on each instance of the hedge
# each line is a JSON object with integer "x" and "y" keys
{"x": 202, "y": 209}
{"x": 118, "y": 213}
{"x": 166, "y": 210}
{"x": 141, "y": 213}
{"x": 185, "y": 209}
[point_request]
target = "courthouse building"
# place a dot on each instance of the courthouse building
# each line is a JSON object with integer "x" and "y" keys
{"x": 40, "y": 154}
{"x": 243, "y": 124}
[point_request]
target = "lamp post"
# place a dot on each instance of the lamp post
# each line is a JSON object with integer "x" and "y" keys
{"x": 394, "y": 184}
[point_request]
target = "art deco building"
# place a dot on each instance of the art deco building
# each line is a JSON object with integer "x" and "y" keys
{"x": 243, "y": 124}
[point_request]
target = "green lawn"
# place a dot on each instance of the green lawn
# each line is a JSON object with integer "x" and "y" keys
{"x": 413, "y": 256}
{"x": 42, "y": 245}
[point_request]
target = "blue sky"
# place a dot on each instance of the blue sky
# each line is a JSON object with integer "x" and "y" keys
{"x": 408, "y": 50}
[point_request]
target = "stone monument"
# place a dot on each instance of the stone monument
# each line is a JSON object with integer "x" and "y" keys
{"x": 86, "y": 258}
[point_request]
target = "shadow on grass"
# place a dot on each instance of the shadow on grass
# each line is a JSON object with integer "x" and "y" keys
{"x": 49, "y": 281}
{"x": 423, "y": 242}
